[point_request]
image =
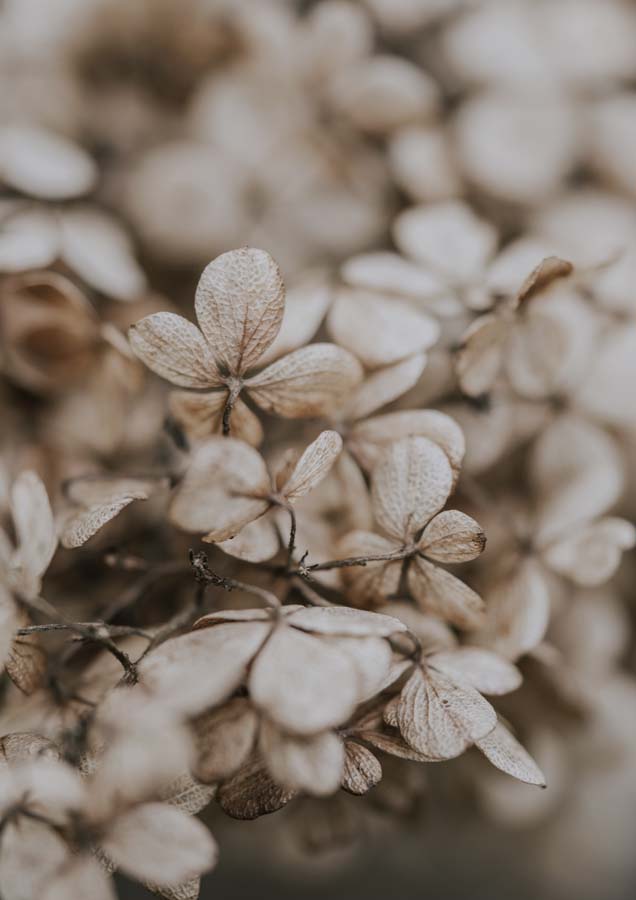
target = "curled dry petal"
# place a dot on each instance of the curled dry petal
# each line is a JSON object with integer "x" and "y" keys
{"x": 591, "y": 555}
{"x": 440, "y": 718}
{"x": 201, "y": 415}
{"x": 452, "y": 537}
{"x": 548, "y": 271}
{"x": 362, "y": 770}
{"x": 225, "y": 739}
{"x": 240, "y": 300}
{"x": 480, "y": 355}
{"x": 410, "y": 485}
{"x": 505, "y": 752}
{"x": 200, "y": 669}
{"x": 368, "y": 440}
{"x": 482, "y": 669}
{"x": 308, "y": 382}
{"x": 159, "y": 842}
{"x": 175, "y": 349}
{"x": 438, "y": 592}
{"x": 252, "y": 792}
{"x": 302, "y": 683}
{"x": 379, "y": 330}
{"x": 311, "y": 764}
{"x": 374, "y": 582}
{"x": 223, "y": 489}
{"x": 385, "y": 385}
{"x": 313, "y": 465}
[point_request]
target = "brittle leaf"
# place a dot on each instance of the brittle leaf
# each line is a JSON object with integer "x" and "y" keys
{"x": 452, "y": 537}
{"x": 240, "y": 300}
{"x": 410, "y": 485}
{"x": 313, "y": 465}
{"x": 505, "y": 752}
{"x": 252, "y": 792}
{"x": 306, "y": 383}
{"x": 175, "y": 349}
{"x": 362, "y": 770}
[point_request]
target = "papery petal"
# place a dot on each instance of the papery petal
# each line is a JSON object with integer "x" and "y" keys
{"x": 224, "y": 740}
{"x": 252, "y": 792}
{"x": 452, "y": 537}
{"x": 311, "y": 764}
{"x": 313, "y": 465}
{"x": 438, "y": 592}
{"x": 505, "y": 752}
{"x": 362, "y": 771}
{"x": 480, "y": 355}
{"x": 256, "y": 542}
{"x": 385, "y": 385}
{"x": 481, "y": 669}
{"x": 175, "y": 349}
{"x": 592, "y": 554}
{"x": 374, "y": 582}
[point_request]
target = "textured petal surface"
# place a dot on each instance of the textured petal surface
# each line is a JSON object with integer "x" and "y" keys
{"x": 437, "y": 591}
{"x": 313, "y": 465}
{"x": 175, "y": 349}
{"x": 452, "y": 537}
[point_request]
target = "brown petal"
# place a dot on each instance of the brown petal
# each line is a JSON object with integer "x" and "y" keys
{"x": 252, "y": 792}
{"x": 440, "y": 718}
{"x": 222, "y": 489}
{"x": 379, "y": 330}
{"x": 201, "y": 415}
{"x": 480, "y": 356}
{"x": 200, "y": 669}
{"x": 374, "y": 582}
{"x": 257, "y": 542}
{"x": 311, "y": 764}
{"x": 385, "y": 385}
{"x": 313, "y": 465}
{"x": 411, "y": 483}
{"x": 548, "y": 271}
{"x": 175, "y": 349}
{"x": 159, "y": 842}
{"x": 302, "y": 683}
{"x": 240, "y": 300}
{"x": 224, "y": 739}
{"x": 481, "y": 669}
{"x": 452, "y": 537}
{"x": 506, "y": 753}
{"x": 308, "y": 382}
{"x": 362, "y": 771}
{"x": 438, "y": 592}
{"x": 26, "y": 663}
{"x": 368, "y": 440}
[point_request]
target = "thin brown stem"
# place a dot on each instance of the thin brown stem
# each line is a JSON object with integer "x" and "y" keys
{"x": 203, "y": 573}
{"x": 234, "y": 389}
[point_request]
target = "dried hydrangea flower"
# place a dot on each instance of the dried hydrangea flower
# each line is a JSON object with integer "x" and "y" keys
{"x": 240, "y": 303}
{"x": 411, "y": 484}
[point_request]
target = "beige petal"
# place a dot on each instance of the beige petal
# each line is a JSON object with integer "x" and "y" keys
{"x": 452, "y": 537}
{"x": 187, "y": 890}
{"x": 537, "y": 353}
{"x": 379, "y": 330}
{"x": 252, "y": 792}
{"x": 343, "y": 621}
{"x": 34, "y": 525}
{"x": 222, "y": 489}
{"x": 548, "y": 271}
{"x": 481, "y": 669}
{"x": 362, "y": 771}
{"x": 26, "y": 746}
{"x": 367, "y": 441}
{"x": 32, "y": 852}
{"x": 373, "y": 661}
{"x": 81, "y": 877}
{"x": 505, "y": 752}
{"x": 200, "y": 669}
{"x": 29, "y": 240}
{"x": 313, "y": 465}
{"x": 79, "y": 527}
{"x": 393, "y": 743}
{"x": 310, "y": 764}
{"x": 591, "y": 555}
{"x": 96, "y": 247}
{"x": 225, "y": 739}
{"x": 302, "y": 683}
{"x": 305, "y": 307}
{"x": 440, "y": 718}
{"x": 448, "y": 238}
{"x": 480, "y": 356}
{"x": 390, "y": 273}
{"x": 10, "y": 621}
{"x": 410, "y": 484}
{"x": 438, "y": 592}
{"x": 308, "y": 382}
{"x": 95, "y": 490}
{"x": 238, "y": 615}
{"x": 257, "y": 542}
{"x": 188, "y": 795}
{"x": 159, "y": 842}
{"x": 38, "y": 162}
{"x": 240, "y": 300}
{"x": 201, "y": 415}
{"x": 385, "y": 385}
{"x": 432, "y": 633}
{"x": 374, "y": 582}
{"x": 175, "y": 349}
{"x": 518, "y": 607}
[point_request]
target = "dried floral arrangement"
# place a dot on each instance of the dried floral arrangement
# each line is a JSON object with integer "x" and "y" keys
{"x": 315, "y": 475}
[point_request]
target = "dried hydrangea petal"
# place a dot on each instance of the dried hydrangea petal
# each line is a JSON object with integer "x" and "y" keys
{"x": 313, "y": 465}
{"x": 452, "y": 537}
{"x": 506, "y": 753}
{"x": 175, "y": 349}
{"x": 311, "y": 764}
{"x": 438, "y": 592}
